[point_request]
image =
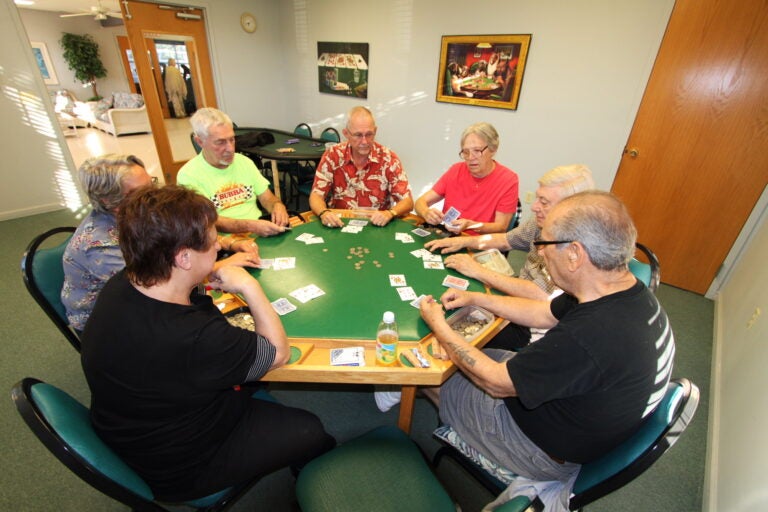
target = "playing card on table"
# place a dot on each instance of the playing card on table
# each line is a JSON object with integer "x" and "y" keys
{"x": 305, "y": 237}
{"x": 451, "y": 215}
{"x": 404, "y": 237}
{"x": 455, "y": 282}
{"x": 429, "y": 256}
{"x": 397, "y": 280}
{"x": 315, "y": 240}
{"x": 351, "y": 229}
{"x": 307, "y": 293}
{"x": 358, "y": 222}
{"x": 266, "y": 263}
{"x": 283, "y": 306}
{"x": 434, "y": 265}
{"x": 420, "y": 253}
{"x": 406, "y": 293}
{"x": 284, "y": 263}
{"x": 420, "y": 232}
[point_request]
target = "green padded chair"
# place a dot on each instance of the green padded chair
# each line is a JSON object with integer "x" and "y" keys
{"x": 43, "y": 273}
{"x": 331, "y": 134}
{"x": 649, "y": 273}
{"x": 63, "y": 425}
{"x": 610, "y": 472}
{"x": 381, "y": 471}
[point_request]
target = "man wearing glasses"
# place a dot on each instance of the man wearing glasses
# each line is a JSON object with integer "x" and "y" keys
{"x": 481, "y": 189}
{"x": 360, "y": 174}
{"x": 589, "y": 383}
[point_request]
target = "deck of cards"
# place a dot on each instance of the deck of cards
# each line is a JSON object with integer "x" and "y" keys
{"x": 451, "y": 215}
{"x": 348, "y": 356}
{"x": 455, "y": 282}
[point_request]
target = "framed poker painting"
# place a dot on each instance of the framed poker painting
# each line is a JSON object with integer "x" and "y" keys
{"x": 343, "y": 68}
{"x": 483, "y": 70}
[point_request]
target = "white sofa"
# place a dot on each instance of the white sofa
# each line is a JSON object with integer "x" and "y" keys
{"x": 120, "y": 114}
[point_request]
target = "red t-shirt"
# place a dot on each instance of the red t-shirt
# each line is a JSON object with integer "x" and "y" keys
{"x": 478, "y": 198}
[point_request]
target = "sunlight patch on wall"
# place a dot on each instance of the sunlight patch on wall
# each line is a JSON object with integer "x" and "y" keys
{"x": 35, "y": 115}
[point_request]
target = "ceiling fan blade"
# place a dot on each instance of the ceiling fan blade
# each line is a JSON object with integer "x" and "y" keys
{"x": 115, "y": 14}
{"x": 73, "y": 15}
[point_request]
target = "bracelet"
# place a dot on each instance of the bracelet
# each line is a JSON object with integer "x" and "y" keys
{"x": 392, "y": 211}
{"x": 320, "y": 215}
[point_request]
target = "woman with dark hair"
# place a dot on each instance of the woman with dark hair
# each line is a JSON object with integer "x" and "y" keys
{"x": 165, "y": 366}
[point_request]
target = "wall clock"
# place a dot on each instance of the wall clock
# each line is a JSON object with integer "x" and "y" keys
{"x": 248, "y": 22}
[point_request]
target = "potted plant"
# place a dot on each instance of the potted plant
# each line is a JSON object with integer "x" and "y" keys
{"x": 82, "y": 54}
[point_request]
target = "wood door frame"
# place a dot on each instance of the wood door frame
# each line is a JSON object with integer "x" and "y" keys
{"x": 141, "y": 18}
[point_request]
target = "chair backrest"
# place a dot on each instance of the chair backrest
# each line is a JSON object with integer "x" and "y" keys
{"x": 630, "y": 459}
{"x": 63, "y": 425}
{"x": 515, "y": 220}
{"x": 303, "y": 129}
{"x": 649, "y": 273}
{"x": 331, "y": 134}
{"x": 43, "y": 273}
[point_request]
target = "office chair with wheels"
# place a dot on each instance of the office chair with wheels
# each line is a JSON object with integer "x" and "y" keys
{"x": 63, "y": 425}
{"x": 598, "y": 478}
{"x": 43, "y": 273}
{"x": 649, "y": 273}
{"x": 331, "y": 134}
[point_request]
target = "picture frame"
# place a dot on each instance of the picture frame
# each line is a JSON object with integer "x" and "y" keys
{"x": 40, "y": 51}
{"x": 482, "y": 70}
{"x": 342, "y": 68}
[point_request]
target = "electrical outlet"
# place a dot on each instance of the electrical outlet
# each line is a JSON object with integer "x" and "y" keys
{"x": 529, "y": 197}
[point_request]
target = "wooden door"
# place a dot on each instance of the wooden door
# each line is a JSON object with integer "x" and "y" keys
{"x": 697, "y": 158}
{"x": 145, "y": 22}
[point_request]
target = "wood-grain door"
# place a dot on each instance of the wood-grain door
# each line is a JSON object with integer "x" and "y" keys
{"x": 696, "y": 161}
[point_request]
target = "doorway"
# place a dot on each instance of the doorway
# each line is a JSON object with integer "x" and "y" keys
{"x": 158, "y": 33}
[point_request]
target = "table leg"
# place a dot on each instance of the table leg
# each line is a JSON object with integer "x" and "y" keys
{"x": 407, "y": 401}
{"x": 276, "y": 179}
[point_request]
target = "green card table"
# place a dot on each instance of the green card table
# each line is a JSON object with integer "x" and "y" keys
{"x": 353, "y": 269}
{"x": 305, "y": 149}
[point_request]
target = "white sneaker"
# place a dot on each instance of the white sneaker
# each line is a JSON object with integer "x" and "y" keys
{"x": 385, "y": 400}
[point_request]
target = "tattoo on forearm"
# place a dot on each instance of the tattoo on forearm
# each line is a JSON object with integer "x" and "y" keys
{"x": 462, "y": 353}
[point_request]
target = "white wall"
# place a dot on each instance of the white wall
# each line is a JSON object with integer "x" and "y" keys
{"x": 48, "y": 27}
{"x": 588, "y": 64}
{"x": 736, "y": 460}
{"x": 36, "y": 172}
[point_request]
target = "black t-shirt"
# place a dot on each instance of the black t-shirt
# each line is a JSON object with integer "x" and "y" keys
{"x": 587, "y": 385}
{"x": 161, "y": 378}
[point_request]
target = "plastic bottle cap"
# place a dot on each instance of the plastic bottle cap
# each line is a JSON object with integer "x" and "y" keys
{"x": 389, "y": 317}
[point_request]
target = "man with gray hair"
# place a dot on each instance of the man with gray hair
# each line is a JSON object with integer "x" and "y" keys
{"x": 591, "y": 380}
{"x": 93, "y": 254}
{"x": 230, "y": 180}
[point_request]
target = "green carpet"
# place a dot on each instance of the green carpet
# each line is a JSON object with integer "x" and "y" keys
{"x": 32, "y": 480}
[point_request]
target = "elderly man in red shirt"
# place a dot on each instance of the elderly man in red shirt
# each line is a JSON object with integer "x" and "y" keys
{"x": 360, "y": 174}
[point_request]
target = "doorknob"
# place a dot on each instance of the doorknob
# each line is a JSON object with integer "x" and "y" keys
{"x": 632, "y": 152}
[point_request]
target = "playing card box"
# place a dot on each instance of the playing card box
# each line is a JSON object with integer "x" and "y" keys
{"x": 471, "y": 321}
{"x": 492, "y": 259}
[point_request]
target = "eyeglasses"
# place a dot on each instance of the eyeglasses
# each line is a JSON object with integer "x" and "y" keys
{"x": 539, "y": 243}
{"x": 361, "y": 136}
{"x": 466, "y": 153}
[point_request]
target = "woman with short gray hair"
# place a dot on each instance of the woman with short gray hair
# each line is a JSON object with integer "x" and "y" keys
{"x": 481, "y": 190}
{"x": 93, "y": 254}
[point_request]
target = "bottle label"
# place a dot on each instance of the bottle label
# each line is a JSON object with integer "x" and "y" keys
{"x": 386, "y": 348}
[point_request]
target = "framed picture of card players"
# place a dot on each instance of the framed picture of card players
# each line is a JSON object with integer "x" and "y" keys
{"x": 483, "y": 70}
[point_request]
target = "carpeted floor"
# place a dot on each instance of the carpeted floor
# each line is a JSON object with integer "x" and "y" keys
{"x": 32, "y": 480}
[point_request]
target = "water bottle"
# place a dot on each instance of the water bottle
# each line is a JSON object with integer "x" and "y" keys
{"x": 386, "y": 340}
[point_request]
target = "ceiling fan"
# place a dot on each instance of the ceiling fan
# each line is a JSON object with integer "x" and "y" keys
{"x": 98, "y": 12}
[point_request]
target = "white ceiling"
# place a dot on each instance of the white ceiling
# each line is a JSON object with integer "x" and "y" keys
{"x": 72, "y": 6}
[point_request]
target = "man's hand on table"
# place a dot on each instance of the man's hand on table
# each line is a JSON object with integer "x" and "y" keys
{"x": 267, "y": 228}
{"x": 465, "y": 264}
{"x": 448, "y": 245}
{"x": 280, "y": 215}
{"x": 331, "y": 220}
{"x": 382, "y": 217}
{"x": 241, "y": 259}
